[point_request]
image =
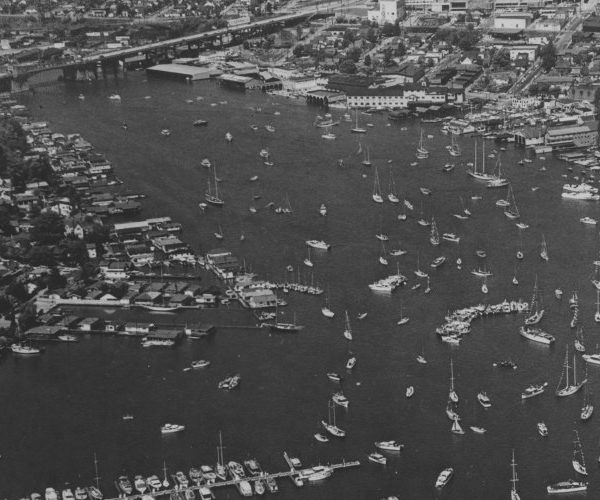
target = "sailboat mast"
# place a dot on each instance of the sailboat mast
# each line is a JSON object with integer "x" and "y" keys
{"x": 514, "y": 478}
{"x": 96, "y": 477}
{"x": 451, "y": 376}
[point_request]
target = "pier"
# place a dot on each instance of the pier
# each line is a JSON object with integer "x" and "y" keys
{"x": 304, "y": 473}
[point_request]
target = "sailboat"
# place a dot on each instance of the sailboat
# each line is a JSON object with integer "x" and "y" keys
{"x": 357, "y": 129}
{"x": 519, "y": 253}
{"x": 568, "y": 388}
{"x": 219, "y": 233}
{"x": 512, "y": 211}
{"x": 578, "y": 459}
{"x": 367, "y": 158}
{"x": 330, "y": 426}
{"x": 327, "y": 312}
{"x": 597, "y": 315}
{"x": 588, "y": 408}
{"x": 307, "y": 261}
{"x": 418, "y": 272}
{"x": 544, "y": 249}
{"x": 392, "y": 197}
{"x": 329, "y": 135}
{"x": 422, "y": 153}
{"x": 383, "y": 257}
{"x": 535, "y": 310}
{"x": 377, "y": 198}
{"x": 498, "y": 181}
{"x": 434, "y": 238}
{"x": 212, "y": 195}
{"x": 403, "y": 319}
{"x": 484, "y": 287}
{"x": 220, "y": 470}
{"x": 454, "y": 147}
{"x": 452, "y": 393}
{"x": 347, "y": 327}
{"x": 473, "y": 172}
{"x": 456, "y": 427}
{"x": 165, "y": 482}
{"x": 514, "y": 479}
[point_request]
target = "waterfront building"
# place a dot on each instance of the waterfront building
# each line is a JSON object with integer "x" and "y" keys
{"x": 89, "y": 324}
{"x": 572, "y": 136}
{"x": 257, "y": 298}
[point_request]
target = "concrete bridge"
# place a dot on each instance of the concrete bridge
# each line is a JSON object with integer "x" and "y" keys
{"x": 100, "y": 63}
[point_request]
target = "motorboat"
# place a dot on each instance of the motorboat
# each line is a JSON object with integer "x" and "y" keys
{"x": 410, "y": 391}
{"x": 388, "y": 445}
{"x": 334, "y": 377}
{"x": 171, "y": 428}
{"x": 444, "y": 477}
{"x": 200, "y": 123}
{"x": 484, "y": 400}
{"x": 542, "y": 429}
{"x": 322, "y": 438}
{"x": 340, "y": 399}
{"x": 201, "y": 363}
{"x": 318, "y": 244}
{"x": 378, "y": 458}
{"x": 229, "y": 383}
{"x": 478, "y": 430}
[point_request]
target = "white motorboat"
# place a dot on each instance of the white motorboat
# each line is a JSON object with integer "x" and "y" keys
{"x": 171, "y": 428}
{"x": 444, "y": 477}
{"x": 388, "y": 445}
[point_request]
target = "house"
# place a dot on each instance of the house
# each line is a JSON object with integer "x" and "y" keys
{"x": 89, "y": 324}
{"x": 257, "y": 298}
{"x": 117, "y": 270}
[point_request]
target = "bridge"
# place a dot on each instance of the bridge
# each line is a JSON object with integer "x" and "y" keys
{"x": 102, "y": 60}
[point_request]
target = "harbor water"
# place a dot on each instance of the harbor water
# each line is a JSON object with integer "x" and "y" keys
{"x": 64, "y": 406}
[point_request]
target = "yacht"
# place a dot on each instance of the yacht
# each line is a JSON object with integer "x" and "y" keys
{"x": 236, "y": 471}
{"x": 537, "y": 335}
{"x": 569, "y": 486}
{"x": 171, "y": 428}
{"x": 533, "y": 390}
{"x": 24, "y": 349}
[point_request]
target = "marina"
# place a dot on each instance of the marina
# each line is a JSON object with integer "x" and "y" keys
{"x": 476, "y": 329}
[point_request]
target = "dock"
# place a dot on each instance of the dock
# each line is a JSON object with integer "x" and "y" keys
{"x": 232, "y": 482}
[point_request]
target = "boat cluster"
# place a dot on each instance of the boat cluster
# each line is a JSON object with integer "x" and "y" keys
{"x": 458, "y": 323}
{"x": 581, "y": 191}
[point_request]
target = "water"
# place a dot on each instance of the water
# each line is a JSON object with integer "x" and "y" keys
{"x": 67, "y": 404}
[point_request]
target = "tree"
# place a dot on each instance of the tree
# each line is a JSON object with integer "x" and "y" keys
{"x": 55, "y": 280}
{"x": 548, "y": 56}
{"x": 347, "y": 66}
{"x": 387, "y": 56}
{"x": 367, "y": 60}
{"x": 389, "y": 30}
{"x": 371, "y": 36}
{"x": 501, "y": 58}
{"x": 349, "y": 38}
{"x": 48, "y": 228}
{"x": 401, "y": 49}
{"x": 354, "y": 54}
